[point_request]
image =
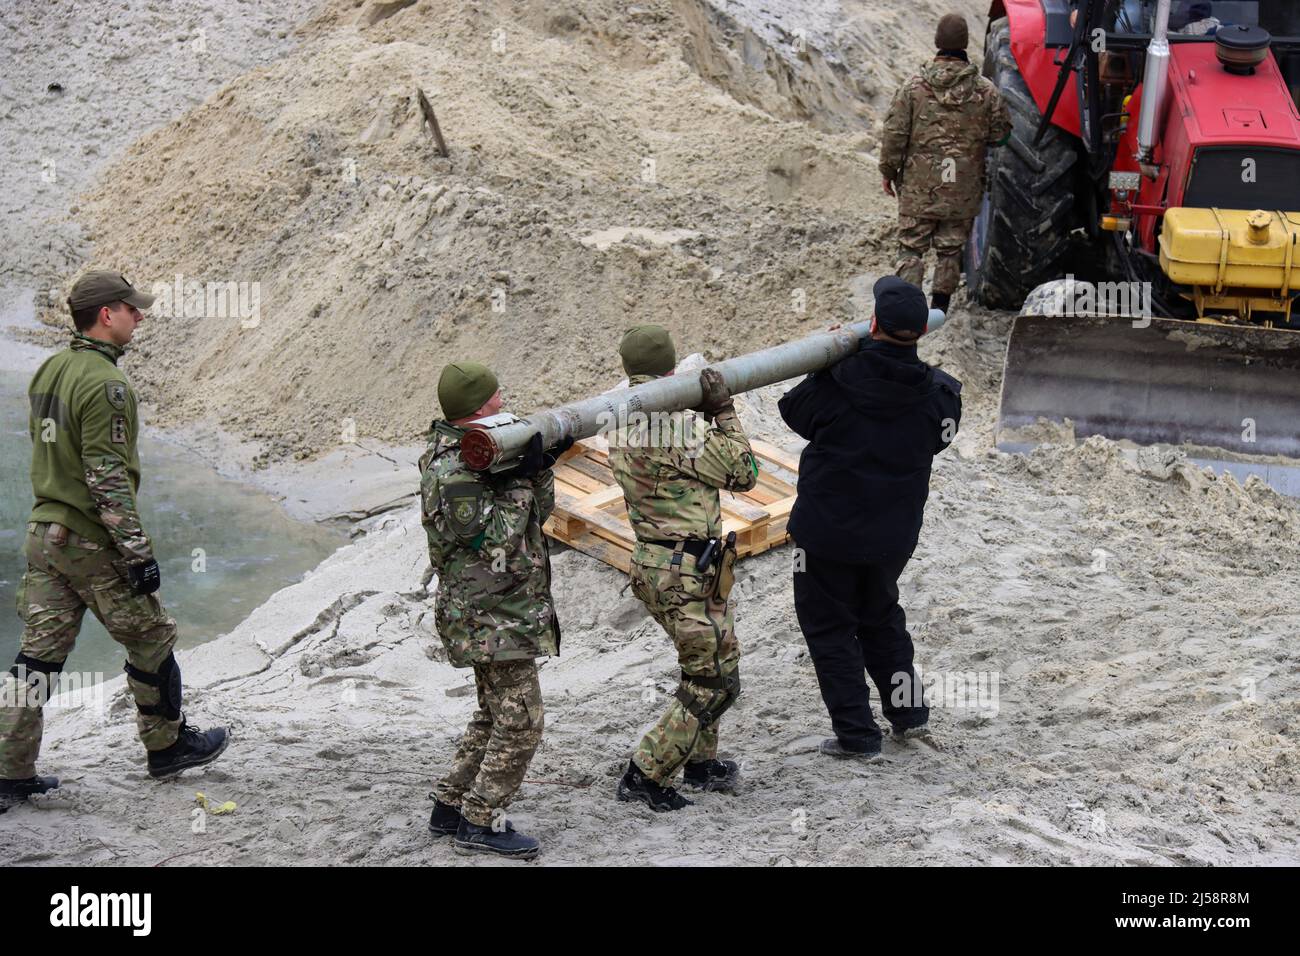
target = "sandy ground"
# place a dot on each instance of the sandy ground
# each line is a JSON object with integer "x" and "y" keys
{"x": 1116, "y": 685}
{"x": 1112, "y": 630}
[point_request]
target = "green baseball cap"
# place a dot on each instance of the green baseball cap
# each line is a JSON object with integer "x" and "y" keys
{"x": 100, "y": 287}
{"x": 648, "y": 350}
{"x": 464, "y": 388}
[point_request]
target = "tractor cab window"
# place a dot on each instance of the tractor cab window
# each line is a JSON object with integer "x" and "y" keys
{"x": 1199, "y": 17}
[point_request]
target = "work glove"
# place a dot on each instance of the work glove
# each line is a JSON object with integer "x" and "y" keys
{"x": 715, "y": 396}
{"x": 535, "y": 460}
{"x": 144, "y": 576}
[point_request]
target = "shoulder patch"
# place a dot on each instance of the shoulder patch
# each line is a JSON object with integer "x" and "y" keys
{"x": 466, "y": 504}
{"x": 118, "y": 432}
{"x": 116, "y": 393}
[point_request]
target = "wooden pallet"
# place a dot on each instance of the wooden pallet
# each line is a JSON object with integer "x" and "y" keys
{"x": 591, "y": 516}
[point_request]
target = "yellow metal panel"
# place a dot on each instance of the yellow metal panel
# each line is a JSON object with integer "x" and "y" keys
{"x": 1232, "y": 248}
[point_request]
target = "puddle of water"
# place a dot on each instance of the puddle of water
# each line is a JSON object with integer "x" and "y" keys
{"x": 249, "y": 546}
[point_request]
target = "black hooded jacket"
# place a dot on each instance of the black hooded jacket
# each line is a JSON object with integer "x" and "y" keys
{"x": 874, "y": 423}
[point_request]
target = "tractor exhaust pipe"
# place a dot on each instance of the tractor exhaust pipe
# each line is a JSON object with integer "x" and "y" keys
{"x": 1155, "y": 84}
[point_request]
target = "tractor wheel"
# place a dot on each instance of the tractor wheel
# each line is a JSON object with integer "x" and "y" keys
{"x": 1022, "y": 233}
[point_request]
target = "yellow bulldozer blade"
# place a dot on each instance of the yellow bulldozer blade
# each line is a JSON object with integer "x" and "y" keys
{"x": 1224, "y": 389}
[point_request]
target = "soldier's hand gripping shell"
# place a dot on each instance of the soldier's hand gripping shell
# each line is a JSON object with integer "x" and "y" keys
{"x": 558, "y": 449}
{"x": 715, "y": 396}
{"x": 535, "y": 461}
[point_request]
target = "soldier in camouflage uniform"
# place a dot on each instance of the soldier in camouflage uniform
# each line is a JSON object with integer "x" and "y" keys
{"x": 494, "y": 610}
{"x": 932, "y": 154}
{"x": 670, "y": 477}
{"x": 86, "y": 547}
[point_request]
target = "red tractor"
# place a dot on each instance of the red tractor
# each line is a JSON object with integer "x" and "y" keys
{"x": 1154, "y": 163}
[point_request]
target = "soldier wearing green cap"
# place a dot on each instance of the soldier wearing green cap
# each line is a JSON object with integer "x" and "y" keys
{"x": 86, "y": 547}
{"x": 494, "y": 609}
{"x": 681, "y": 569}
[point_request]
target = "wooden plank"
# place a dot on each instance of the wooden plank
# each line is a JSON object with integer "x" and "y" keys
{"x": 613, "y": 554}
{"x": 781, "y": 509}
{"x": 575, "y": 484}
{"x": 762, "y": 495}
{"x": 737, "y": 505}
{"x": 591, "y": 515}
{"x": 598, "y": 500}
{"x": 616, "y": 528}
{"x": 778, "y": 456}
{"x": 592, "y": 469}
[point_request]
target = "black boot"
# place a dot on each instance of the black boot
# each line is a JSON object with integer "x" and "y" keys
{"x": 14, "y": 792}
{"x": 635, "y": 786}
{"x": 193, "y": 748}
{"x": 719, "y": 775}
{"x": 472, "y": 838}
{"x": 940, "y": 300}
{"x": 445, "y": 819}
{"x": 832, "y": 747}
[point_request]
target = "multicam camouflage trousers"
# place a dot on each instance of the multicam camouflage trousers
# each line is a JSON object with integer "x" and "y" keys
{"x": 703, "y": 630}
{"x": 65, "y": 575}
{"x": 500, "y": 740}
{"x": 914, "y": 239}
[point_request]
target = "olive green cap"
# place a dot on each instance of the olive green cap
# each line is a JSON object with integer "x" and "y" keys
{"x": 100, "y": 287}
{"x": 464, "y": 388}
{"x": 648, "y": 350}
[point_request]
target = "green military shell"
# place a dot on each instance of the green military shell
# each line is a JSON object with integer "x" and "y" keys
{"x": 935, "y": 136}
{"x": 494, "y": 591}
{"x": 84, "y": 424}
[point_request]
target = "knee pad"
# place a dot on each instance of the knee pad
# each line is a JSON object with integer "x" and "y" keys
{"x": 726, "y": 688}
{"x": 37, "y": 675}
{"x": 168, "y": 682}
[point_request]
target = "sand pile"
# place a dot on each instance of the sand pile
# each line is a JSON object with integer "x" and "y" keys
{"x": 81, "y": 81}
{"x": 375, "y": 260}
{"x": 1108, "y": 647}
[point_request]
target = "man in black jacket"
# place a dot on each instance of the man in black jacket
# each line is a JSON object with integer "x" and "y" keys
{"x": 874, "y": 423}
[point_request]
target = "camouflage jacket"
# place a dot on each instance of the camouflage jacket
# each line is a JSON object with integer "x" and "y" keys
{"x": 935, "y": 136}
{"x": 84, "y": 424}
{"x": 671, "y": 467}
{"x": 487, "y": 547}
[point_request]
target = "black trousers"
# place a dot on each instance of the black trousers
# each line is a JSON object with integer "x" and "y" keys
{"x": 851, "y": 619}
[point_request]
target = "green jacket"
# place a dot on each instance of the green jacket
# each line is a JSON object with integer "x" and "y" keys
{"x": 671, "y": 467}
{"x": 487, "y": 546}
{"x": 85, "y": 466}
